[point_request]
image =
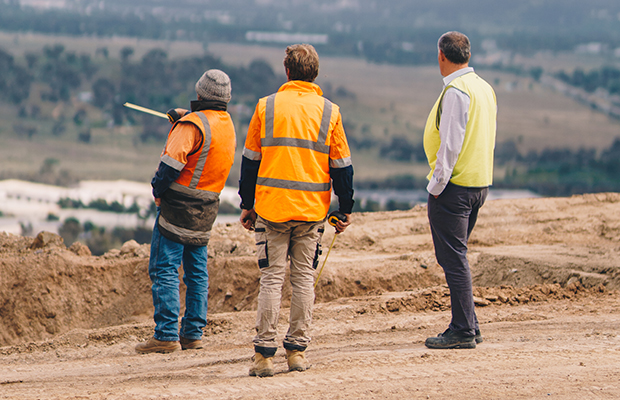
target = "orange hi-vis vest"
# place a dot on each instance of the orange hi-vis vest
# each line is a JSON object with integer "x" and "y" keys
{"x": 297, "y": 135}
{"x": 189, "y": 207}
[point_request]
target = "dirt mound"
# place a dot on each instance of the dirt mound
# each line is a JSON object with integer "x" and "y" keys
{"x": 50, "y": 290}
{"x": 521, "y": 250}
{"x": 438, "y": 299}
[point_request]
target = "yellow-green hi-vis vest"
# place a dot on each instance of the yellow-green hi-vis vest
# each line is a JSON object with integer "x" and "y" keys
{"x": 474, "y": 166}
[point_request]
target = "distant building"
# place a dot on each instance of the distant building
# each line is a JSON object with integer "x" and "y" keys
{"x": 591, "y": 48}
{"x": 44, "y": 4}
{"x": 286, "y": 37}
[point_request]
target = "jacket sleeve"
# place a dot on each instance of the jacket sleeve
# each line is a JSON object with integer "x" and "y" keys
{"x": 250, "y": 162}
{"x": 163, "y": 178}
{"x": 339, "y": 152}
{"x": 343, "y": 187}
{"x": 247, "y": 182}
{"x": 183, "y": 139}
{"x": 252, "y": 147}
{"x": 341, "y": 168}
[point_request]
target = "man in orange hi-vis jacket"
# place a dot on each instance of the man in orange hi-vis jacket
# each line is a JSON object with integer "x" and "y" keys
{"x": 193, "y": 169}
{"x": 295, "y": 148}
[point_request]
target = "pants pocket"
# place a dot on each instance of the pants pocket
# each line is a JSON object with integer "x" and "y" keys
{"x": 261, "y": 247}
{"x": 318, "y": 251}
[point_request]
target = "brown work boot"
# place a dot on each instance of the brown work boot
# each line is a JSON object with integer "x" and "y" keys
{"x": 297, "y": 360}
{"x": 191, "y": 344}
{"x": 157, "y": 346}
{"x": 262, "y": 366}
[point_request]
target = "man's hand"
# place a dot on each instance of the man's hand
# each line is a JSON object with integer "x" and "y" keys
{"x": 247, "y": 219}
{"x": 341, "y": 226}
{"x": 157, "y": 201}
{"x": 175, "y": 114}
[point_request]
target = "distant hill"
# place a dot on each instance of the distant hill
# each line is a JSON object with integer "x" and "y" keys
{"x": 398, "y": 31}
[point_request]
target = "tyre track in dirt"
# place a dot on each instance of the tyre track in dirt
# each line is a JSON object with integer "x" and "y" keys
{"x": 566, "y": 348}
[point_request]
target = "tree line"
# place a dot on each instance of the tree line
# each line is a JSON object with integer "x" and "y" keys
{"x": 98, "y": 239}
{"x": 560, "y": 171}
{"x": 607, "y": 77}
{"x": 399, "y": 32}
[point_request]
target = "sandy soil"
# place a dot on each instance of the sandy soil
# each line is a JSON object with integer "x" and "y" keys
{"x": 546, "y": 275}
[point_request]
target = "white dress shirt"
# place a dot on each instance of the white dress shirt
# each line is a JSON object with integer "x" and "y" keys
{"x": 454, "y": 117}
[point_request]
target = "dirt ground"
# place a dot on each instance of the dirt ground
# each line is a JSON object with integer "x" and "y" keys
{"x": 546, "y": 275}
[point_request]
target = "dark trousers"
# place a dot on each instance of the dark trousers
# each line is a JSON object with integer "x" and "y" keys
{"x": 452, "y": 217}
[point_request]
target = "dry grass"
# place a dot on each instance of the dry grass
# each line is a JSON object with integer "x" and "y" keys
{"x": 21, "y": 43}
{"x": 118, "y": 158}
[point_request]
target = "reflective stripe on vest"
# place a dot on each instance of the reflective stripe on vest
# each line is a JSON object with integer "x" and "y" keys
{"x": 251, "y": 154}
{"x": 341, "y": 163}
{"x": 197, "y": 193}
{"x": 295, "y": 185}
{"x": 206, "y": 145}
{"x": 184, "y": 232}
{"x": 318, "y": 146}
{"x": 171, "y": 162}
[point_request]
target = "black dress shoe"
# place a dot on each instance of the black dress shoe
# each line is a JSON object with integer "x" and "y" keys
{"x": 478, "y": 337}
{"x": 451, "y": 340}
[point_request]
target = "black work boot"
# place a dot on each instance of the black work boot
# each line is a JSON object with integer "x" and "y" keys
{"x": 478, "y": 337}
{"x": 451, "y": 340}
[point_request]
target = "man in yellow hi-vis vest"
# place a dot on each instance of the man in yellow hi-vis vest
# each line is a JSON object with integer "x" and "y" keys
{"x": 193, "y": 169}
{"x": 295, "y": 149}
{"x": 459, "y": 140}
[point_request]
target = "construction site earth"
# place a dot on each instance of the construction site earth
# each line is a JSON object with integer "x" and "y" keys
{"x": 546, "y": 276}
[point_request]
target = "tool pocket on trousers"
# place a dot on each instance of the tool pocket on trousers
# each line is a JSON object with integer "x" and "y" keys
{"x": 261, "y": 248}
{"x": 317, "y": 253}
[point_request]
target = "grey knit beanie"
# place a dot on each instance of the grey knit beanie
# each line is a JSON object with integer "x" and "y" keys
{"x": 214, "y": 85}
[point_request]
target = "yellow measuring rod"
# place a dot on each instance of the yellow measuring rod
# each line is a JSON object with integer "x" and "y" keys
{"x": 146, "y": 110}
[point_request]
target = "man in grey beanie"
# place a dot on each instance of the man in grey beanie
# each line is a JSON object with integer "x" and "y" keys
{"x": 193, "y": 169}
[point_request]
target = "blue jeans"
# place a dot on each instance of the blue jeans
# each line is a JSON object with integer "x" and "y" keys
{"x": 166, "y": 258}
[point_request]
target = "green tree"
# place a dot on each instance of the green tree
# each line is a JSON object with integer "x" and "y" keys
{"x": 70, "y": 230}
{"x": 103, "y": 92}
{"x": 15, "y": 80}
{"x": 126, "y": 53}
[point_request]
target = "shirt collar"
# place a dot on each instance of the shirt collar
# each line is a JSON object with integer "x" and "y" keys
{"x": 301, "y": 86}
{"x": 456, "y": 74}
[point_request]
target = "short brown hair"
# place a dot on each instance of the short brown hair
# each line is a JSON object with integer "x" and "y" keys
{"x": 455, "y": 46}
{"x": 302, "y": 62}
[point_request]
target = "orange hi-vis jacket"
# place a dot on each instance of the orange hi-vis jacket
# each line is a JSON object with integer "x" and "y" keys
{"x": 202, "y": 146}
{"x": 297, "y": 135}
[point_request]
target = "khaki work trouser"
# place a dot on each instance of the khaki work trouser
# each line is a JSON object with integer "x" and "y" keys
{"x": 277, "y": 243}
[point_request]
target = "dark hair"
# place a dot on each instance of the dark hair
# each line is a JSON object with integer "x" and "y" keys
{"x": 302, "y": 62}
{"x": 455, "y": 46}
